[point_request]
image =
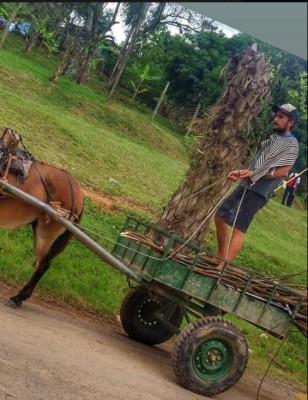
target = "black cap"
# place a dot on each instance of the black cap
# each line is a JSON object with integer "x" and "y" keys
{"x": 288, "y": 110}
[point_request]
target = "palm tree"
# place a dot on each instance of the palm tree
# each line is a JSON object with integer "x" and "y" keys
{"x": 223, "y": 146}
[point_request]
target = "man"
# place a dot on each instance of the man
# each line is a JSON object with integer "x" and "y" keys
{"x": 291, "y": 186}
{"x": 270, "y": 165}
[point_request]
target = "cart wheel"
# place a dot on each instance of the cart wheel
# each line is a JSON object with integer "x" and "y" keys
{"x": 209, "y": 356}
{"x": 139, "y": 320}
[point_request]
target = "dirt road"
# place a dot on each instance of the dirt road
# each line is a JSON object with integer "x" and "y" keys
{"x": 47, "y": 354}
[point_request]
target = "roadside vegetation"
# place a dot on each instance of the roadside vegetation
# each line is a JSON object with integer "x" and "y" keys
{"x": 113, "y": 147}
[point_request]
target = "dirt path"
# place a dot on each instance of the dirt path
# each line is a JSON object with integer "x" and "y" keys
{"x": 52, "y": 354}
{"x": 111, "y": 202}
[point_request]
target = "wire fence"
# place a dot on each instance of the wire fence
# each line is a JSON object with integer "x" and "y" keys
{"x": 185, "y": 117}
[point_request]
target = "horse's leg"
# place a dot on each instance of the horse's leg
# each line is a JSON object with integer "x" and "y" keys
{"x": 50, "y": 240}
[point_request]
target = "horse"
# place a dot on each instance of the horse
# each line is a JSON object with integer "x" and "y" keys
{"x": 56, "y": 187}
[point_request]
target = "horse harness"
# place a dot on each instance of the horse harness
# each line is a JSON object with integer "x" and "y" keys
{"x": 18, "y": 162}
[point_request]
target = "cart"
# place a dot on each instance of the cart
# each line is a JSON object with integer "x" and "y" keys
{"x": 177, "y": 283}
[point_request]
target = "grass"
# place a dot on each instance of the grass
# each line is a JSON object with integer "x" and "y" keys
{"x": 93, "y": 137}
{"x": 80, "y": 129}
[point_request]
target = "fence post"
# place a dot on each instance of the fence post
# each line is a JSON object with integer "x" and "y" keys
{"x": 160, "y": 100}
{"x": 193, "y": 119}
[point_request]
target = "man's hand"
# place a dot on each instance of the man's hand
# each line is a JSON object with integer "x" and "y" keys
{"x": 245, "y": 174}
{"x": 240, "y": 174}
{"x": 233, "y": 176}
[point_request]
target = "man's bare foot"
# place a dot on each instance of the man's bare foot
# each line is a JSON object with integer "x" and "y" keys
{"x": 220, "y": 265}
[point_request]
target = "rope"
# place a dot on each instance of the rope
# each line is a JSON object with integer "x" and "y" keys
{"x": 279, "y": 187}
{"x": 202, "y": 223}
{"x": 233, "y": 226}
{"x": 83, "y": 228}
{"x": 270, "y": 364}
{"x": 194, "y": 194}
{"x": 176, "y": 251}
{"x": 229, "y": 241}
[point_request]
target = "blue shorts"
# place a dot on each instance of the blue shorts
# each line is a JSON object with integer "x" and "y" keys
{"x": 251, "y": 203}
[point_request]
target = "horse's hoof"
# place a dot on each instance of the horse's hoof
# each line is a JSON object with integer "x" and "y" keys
{"x": 13, "y": 303}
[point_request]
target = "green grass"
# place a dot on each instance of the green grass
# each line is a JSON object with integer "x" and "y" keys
{"x": 93, "y": 137}
{"x": 80, "y": 129}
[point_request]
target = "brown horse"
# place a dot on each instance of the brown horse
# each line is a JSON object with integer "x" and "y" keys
{"x": 48, "y": 184}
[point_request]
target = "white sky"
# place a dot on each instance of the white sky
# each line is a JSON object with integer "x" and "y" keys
{"x": 119, "y": 35}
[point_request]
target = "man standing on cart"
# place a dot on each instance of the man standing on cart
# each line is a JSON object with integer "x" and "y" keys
{"x": 271, "y": 164}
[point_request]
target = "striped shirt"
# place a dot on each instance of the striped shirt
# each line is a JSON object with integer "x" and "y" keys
{"x": 276, "y": 151}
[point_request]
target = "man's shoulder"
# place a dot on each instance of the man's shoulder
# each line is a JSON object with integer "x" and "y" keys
{"x": 287, "y": 140}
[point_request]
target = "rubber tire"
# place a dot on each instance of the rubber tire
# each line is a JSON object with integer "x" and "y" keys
{"x": 192, "y": 336}
{"x": 135, "y": 328}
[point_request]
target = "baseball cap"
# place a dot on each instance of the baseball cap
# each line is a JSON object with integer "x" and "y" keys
{"x": 287, "y": 109}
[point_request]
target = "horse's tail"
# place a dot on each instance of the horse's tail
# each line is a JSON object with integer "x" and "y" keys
{"x": 62, "y": 241}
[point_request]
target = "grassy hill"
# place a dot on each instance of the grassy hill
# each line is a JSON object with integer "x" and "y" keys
{"x": 115, "y": 148}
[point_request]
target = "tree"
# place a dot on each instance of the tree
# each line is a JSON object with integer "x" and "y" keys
{"x": 145, "y": 18}
{"x": 97, "y": 32}
{"x": 38, "y": 25}
{"x": 223, "y": 146}
{"x": 96, "y": 21}
{"x": 71, "y": 48}
{"x": 72, "y": 36}
{"x": 11, "y": 11}
{"x": 45, "y": 20}
{"x": 49, "y": 42}
{"x": 137, "y": 14}
{"x": 195, "y": 67}
{"x": 141, "y": 76}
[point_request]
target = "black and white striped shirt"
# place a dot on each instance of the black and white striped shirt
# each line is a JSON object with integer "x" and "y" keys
{"x": 276, "y": 151}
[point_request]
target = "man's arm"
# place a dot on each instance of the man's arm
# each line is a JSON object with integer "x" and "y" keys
{"x": 298, "y": 180}
{"x": 280, "y": 172}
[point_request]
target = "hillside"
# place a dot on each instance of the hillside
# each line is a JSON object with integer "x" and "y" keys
{"x": 78, "y": 128}
{"x": 115, "y": 150}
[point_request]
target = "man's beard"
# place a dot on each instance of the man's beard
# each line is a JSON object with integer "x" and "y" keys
{"x": 279, "y": 130}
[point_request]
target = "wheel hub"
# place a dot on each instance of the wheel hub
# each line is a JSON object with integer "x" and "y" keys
{"x": 213, "y": 359}
{"x": 146, "y": 313}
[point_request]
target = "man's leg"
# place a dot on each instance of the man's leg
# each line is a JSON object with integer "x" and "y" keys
{"x": 236, "y": 243}
{"x": 222, "y": 234}
{"x": 285, "y": 195}
{"x": 290, "y": 198}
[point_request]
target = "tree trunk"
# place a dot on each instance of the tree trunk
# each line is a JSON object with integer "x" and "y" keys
{"x": 127, "y": 48}
{"x": 6, "y": 30}
{"x": 77, "y": 58}
{"x": 32, "y": 42}
{"x": 223, "y": 147}
{"x": 4, "y": 35}
{"x": 101, "y": 69}
{"x": 72, "y": 43}
{"x": 95, "y": 36}
{"x": 83, "y": 74}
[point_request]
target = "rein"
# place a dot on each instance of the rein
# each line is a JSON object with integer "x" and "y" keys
{"x": 49, "y": 197}
{"x": 69, "y": 181}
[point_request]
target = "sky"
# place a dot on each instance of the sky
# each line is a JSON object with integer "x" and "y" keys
{"x": 119, "y": 35}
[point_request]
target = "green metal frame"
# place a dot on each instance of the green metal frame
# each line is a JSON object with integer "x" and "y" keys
{"x": 192, "y": 290}
{"x": 213, "y": 359}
